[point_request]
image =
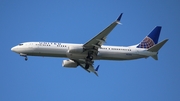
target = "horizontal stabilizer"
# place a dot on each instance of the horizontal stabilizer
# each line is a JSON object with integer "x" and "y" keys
{"x": 158, "y": 46}
{"x": 155, "y": 57}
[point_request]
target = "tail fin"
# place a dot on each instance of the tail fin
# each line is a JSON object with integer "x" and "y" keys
{"x": 151, "y": 39}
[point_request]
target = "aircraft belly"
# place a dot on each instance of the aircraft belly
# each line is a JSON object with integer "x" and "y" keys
{"x": 47, "y": 54}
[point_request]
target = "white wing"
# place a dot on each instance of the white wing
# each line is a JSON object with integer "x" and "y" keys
{"x": 99, "y": 39}
{"x": 91, "y": 47}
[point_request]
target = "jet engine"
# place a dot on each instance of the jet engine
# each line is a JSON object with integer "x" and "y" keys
{"x": 69, "y": 64}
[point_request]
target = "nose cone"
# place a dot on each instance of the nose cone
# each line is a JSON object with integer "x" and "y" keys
{"x": 14, "y": 49}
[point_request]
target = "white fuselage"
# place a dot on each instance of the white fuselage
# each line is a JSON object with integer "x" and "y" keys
{"x": 75, "y": 51}
{"x": 83, "y": 55}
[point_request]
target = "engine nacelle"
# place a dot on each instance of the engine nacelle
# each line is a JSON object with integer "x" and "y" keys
{"x": 75, "y": 49}
{"x": 69, "y": 64}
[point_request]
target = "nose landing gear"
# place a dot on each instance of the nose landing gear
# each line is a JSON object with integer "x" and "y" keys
{"x": 26, "y": 58}
{"x": 24, "y": 55}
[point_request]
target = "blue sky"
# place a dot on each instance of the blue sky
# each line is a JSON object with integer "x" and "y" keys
{"x": 44, "y": 79}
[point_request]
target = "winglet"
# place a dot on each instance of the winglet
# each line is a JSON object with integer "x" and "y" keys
{"x": 96, "y": 70}
{"x": 119, "y": 18}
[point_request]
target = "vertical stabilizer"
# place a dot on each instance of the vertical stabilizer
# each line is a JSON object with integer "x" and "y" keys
{"x": 151, "y": 39}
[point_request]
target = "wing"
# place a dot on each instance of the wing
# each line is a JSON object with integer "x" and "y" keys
{"x": 99, "y": 39}
{"x": 91, "y": 47}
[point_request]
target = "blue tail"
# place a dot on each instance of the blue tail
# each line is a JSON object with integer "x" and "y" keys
{"x": 151, "y": 39}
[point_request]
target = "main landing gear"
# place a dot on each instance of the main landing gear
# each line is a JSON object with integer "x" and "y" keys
{"x": 89, "y": 59}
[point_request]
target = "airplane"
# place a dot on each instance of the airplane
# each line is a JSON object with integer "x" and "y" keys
{"x": 84, "y": 55}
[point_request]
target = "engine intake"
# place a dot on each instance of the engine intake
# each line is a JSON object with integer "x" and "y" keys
{"x": 69, "y": 64}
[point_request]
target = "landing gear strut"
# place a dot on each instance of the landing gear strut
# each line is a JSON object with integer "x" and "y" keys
{"x": 89, "y": 59}
{"x": 87, "y": 66}
{"x": 90, "y": 56}
{"x": 24, "y": 55}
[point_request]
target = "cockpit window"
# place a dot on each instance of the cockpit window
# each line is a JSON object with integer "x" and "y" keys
{"x": 20, "y": 44}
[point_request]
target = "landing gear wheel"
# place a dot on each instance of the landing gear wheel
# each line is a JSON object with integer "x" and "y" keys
{"x": 90, "y": 56}
{"x": 26, "y": 58}
{"x": 89, "y": 59}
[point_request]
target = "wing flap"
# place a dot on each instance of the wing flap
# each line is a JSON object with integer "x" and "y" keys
{"x": 91, "y": 67}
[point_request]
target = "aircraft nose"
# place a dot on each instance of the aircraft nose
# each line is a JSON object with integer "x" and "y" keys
{"x": 13, "y": 49}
